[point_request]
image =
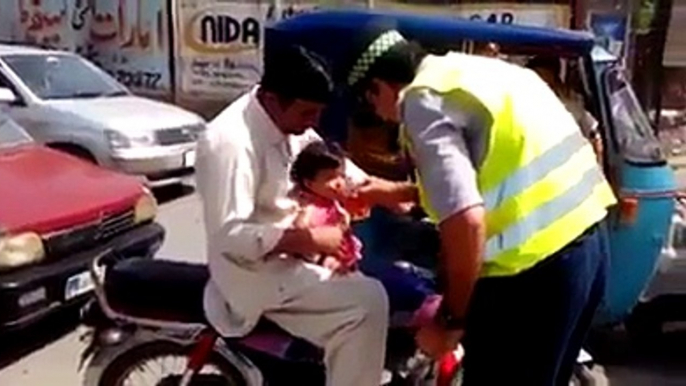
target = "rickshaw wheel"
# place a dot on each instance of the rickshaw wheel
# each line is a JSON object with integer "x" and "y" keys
{"x": 644, "y": 326}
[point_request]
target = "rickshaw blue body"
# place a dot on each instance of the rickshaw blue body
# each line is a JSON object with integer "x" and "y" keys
{"x": 635, "y": 247}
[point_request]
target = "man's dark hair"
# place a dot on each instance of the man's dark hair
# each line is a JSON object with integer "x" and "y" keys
{"x": 293, "y": 72}
{"x": 314, "y": 158}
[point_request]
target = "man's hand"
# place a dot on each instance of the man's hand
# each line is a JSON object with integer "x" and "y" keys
{"x": 328, "y": 240}
{"x": 436, "y": 341}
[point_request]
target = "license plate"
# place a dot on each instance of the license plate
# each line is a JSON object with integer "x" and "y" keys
{"x": 189, "y": 159}
{"x": 77, "y": 285}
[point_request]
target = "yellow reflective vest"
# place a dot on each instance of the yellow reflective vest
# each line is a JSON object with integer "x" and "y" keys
{"x": 540, "y": 181}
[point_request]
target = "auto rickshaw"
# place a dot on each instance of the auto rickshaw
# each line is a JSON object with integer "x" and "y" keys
{"x": 631, "y": 155}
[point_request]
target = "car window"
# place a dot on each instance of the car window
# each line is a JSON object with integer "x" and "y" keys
{"x": 632, "y": 129}
{"x": 62, "y": 76}
{"x": 11, "y": 134}
{"x": 4, "y": 83}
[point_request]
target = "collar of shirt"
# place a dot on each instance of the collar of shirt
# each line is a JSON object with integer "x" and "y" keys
{"x": 263, "y": 122}
{"x": 267, "y": 129}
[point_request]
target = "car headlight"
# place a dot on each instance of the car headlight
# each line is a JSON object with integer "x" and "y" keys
{"x": 22, "y": 249}
{"x": 121, "y": 140}
{"x": 146, "y": 208}
{"x": 198, "y": 129}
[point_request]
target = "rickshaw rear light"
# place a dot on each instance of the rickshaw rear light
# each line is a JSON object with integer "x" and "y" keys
{"x": 628, "y": 210}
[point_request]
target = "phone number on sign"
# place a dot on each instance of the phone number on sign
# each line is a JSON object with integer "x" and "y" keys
{"x": 138, "y": 79}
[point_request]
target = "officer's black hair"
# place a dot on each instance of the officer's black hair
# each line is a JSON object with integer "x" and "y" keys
{"x": 293, "y": 72}
{"x": 314, "y": 158}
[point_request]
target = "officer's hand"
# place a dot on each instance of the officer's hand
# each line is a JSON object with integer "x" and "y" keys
{"x": 377, "y": 191}
{"x": 435, "y": 341}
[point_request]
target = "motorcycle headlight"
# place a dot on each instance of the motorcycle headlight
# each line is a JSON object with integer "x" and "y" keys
{"x": 120, "y": 140}
{"x": 21, "y": 249}
{"x": 146, "y": 208}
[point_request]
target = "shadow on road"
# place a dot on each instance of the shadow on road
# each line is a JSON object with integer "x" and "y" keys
{"x": 663, "y": 362}
{"x": 169, "y": 193}
{"x": 17, "y": 344}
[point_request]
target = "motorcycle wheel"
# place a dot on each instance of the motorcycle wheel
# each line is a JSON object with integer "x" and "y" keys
{"x": 162, "y": 363}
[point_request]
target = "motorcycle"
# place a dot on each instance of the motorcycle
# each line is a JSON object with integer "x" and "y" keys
{"x": 147, "y": 326}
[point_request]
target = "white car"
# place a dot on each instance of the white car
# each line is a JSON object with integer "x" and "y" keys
{"x": 68, "y": 103}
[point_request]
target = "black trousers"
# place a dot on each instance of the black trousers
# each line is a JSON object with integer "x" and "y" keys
{"x": 528, "y": 329}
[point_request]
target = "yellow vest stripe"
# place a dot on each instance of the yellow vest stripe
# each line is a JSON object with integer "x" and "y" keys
{"x": 544, "y": 215}
{"x": 514, "y": 209}
{"x": 553, "y": 238}
{"x": 535, "y": 170}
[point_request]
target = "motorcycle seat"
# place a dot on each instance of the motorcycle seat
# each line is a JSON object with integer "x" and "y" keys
{"x": 172, "y": 291}
{"x": 157, "y": 289}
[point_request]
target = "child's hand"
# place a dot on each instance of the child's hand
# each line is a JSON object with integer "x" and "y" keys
{"x": 356, "y": 208}
{"x": 333, "y": 264}
{"x": 302, "y": 219}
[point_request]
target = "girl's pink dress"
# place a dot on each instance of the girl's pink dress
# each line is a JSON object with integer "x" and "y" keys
{"x": 325, "y": 212}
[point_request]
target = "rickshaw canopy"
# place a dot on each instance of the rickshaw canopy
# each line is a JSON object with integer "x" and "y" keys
{"x": 330, "y": 33}
{"x": 635, "y": 244}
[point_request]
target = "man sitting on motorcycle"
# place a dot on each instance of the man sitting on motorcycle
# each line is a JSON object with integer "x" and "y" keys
{"x": 242, "y": 175}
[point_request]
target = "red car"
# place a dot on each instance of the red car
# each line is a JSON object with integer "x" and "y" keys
{"x": 57, "y": 212}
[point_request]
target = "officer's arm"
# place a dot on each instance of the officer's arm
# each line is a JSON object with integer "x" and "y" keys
{"x": 445, "y": 166}
{"x": 462, "y": 247}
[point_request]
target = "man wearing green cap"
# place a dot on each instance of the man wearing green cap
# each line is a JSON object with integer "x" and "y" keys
{"x": 518, "y": 198}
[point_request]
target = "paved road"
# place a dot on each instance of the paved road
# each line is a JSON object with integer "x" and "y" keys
{"x": 47, "y": 355}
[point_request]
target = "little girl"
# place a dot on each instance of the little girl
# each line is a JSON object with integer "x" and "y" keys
{"x": 324, "y": 195}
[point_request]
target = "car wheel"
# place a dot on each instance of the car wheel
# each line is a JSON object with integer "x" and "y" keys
{"x": 76, "y": 151}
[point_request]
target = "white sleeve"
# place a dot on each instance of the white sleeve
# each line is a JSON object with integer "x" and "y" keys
{"x": 227, "y": 177}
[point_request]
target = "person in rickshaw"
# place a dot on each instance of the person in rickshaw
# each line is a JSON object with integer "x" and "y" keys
{"x": 489, "y": 49}
{"x": 549, "y": 68}
{"x": 517, "y": 196}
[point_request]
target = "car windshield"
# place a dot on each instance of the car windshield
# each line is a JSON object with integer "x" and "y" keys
{"x": 11, "y": 134}
{"x": 62, "y": 76}
{"x": 632, "y": 127}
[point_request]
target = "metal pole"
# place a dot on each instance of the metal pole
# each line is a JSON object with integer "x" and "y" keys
{"x": 278, "y": 8}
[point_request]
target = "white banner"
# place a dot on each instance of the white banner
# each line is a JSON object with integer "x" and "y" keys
{"x": 550, "y": 16}
{"x": 219, "y": 44}
{"x": 540, "y": 15}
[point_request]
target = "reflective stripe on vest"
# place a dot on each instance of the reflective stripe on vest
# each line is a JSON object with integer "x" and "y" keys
{"x": 535, "y": 170}
{"x": 544, "y": 215}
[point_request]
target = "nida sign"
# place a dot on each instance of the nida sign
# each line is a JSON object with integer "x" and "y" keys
{"x": 213, "y": 32}
{"x": 230, "y": 29}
